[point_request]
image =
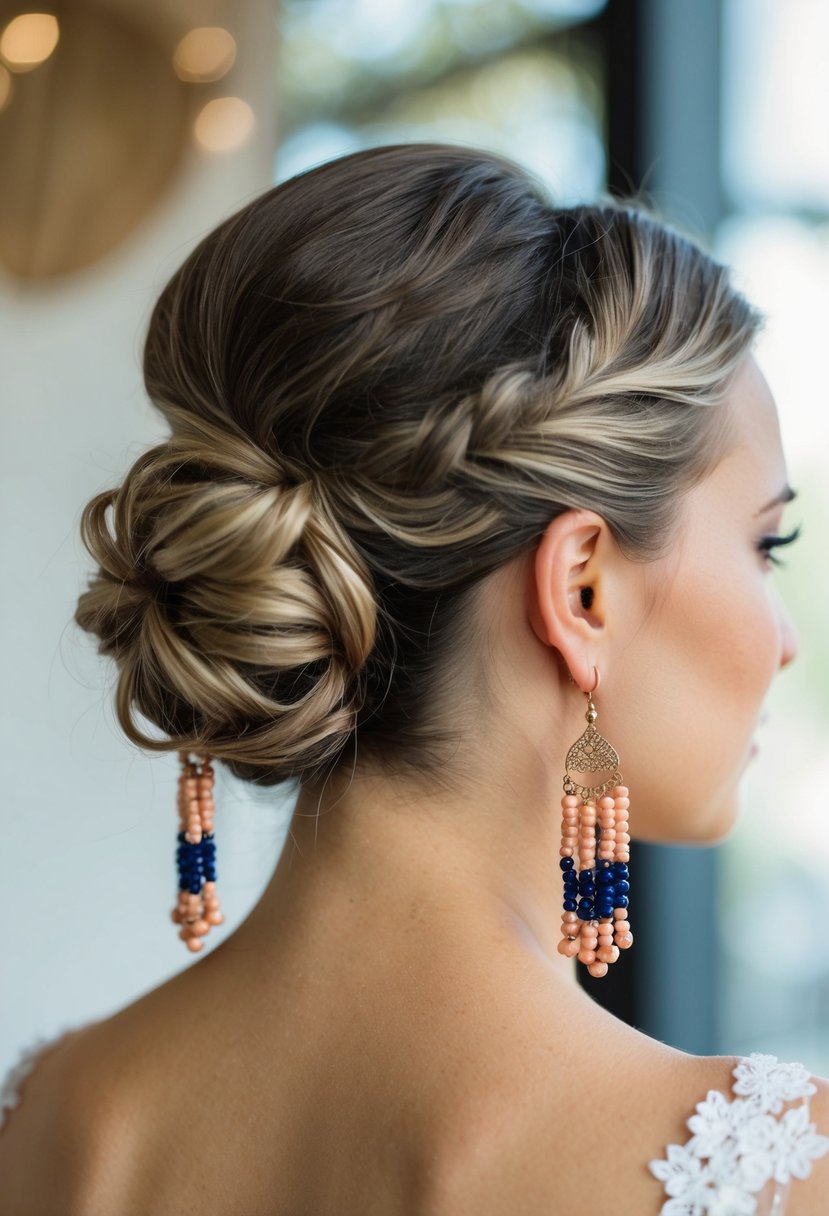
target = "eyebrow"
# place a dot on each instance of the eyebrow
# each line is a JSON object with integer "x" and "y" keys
{"x": 787, "y": 494}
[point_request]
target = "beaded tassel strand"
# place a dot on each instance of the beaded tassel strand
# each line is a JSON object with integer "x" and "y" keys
{"x": 198, "y": 905}
{"x": 594, "y": 922}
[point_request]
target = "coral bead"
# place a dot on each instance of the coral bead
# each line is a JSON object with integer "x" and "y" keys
{"x": 624, "y": 941}
{"x": 608, "y": 954}
{"x": 194, "y": 944}
{"x": 568, "y": 948}
{"x": 598, "y": 968}
{"x": 215, "y": 917}
{"x": 587, "y": 956}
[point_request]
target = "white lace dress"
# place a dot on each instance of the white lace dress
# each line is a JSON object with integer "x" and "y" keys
{"x": 739, "y": 1161}
{"x": 744, "y": 1151}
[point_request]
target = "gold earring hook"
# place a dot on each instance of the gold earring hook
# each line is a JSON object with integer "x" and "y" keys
{"x": 595, "y": 686}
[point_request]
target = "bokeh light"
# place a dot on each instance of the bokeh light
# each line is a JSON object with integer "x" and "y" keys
{"x": 224, "y": 124}
{"x": 28, "y": 40}
{"x": 204, "y": 54}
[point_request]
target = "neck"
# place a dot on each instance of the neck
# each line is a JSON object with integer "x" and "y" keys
{"x": 478, "y": 873}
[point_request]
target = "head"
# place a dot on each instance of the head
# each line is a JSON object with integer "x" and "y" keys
{"x": 406, "y": 394}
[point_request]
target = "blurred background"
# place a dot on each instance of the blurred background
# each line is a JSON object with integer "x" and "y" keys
{"x": 127, "y": 131}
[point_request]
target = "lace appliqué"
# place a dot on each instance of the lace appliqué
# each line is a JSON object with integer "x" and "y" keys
{"x": 739, "y": 1145}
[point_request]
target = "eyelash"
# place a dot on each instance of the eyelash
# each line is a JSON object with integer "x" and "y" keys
{"x": 772, "y": 542}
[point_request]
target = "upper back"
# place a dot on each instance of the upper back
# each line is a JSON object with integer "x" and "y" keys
{"x": 433, "y": 1105}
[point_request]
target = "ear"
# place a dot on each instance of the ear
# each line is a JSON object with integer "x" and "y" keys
{"x": 568, "y": 559}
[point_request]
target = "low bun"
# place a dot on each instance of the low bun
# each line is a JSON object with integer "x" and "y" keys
{"x": 236, "y": 608}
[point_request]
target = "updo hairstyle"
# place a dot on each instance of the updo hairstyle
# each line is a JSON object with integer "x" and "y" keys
{"x": 383, "y": 379}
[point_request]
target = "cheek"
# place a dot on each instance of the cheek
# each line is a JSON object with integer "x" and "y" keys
{"x": 726, "y": 642}
{"x": 749, "y": 649}
{"x": 695, "y": 685}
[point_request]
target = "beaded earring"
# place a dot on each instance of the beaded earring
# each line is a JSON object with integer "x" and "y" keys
{"x": 594, "y": 921}
{"x": 198, "y": 904}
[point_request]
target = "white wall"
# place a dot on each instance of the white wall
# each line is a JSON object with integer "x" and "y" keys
{"x": 88, "y": 823}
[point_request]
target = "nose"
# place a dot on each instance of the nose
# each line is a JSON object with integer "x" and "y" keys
{"x": 789, "y": 638}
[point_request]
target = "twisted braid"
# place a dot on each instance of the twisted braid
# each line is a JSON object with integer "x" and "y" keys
{"x": 383, "y": 379}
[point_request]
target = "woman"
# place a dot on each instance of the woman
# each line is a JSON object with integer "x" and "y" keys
{"x": 444, "y": 459}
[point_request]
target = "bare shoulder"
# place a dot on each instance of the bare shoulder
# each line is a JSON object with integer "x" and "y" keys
{"x": 582, "y": 1112}
{"x": 53, "y": 1123}
{"x": 595, "y": 1117}
{"x": 579, "y": 1115}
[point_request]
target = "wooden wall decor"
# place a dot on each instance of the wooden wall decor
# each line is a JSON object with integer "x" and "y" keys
{"x": 89, "y": 138}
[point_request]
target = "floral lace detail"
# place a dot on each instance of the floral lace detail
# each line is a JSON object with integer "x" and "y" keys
{"x": 739, "y": 1145}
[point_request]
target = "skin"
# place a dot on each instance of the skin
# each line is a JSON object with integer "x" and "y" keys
{"x": 686, "y": 649}
{"x": 401, "y": 968}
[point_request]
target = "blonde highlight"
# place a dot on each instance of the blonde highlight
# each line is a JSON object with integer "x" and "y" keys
{"x": 367, "y": 419}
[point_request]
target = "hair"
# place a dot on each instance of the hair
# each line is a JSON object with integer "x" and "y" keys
{"x": 383, "y": 379}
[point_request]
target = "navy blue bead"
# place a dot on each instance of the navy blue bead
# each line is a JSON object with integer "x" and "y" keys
{"x": 621, "y": 868}
{"x": 622, "y": 886}
{"x": 570, "y": 905}
{"x": 584, "y": 913}
{"x": 622, "y": 901}
{"x": 566, "y": 863}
